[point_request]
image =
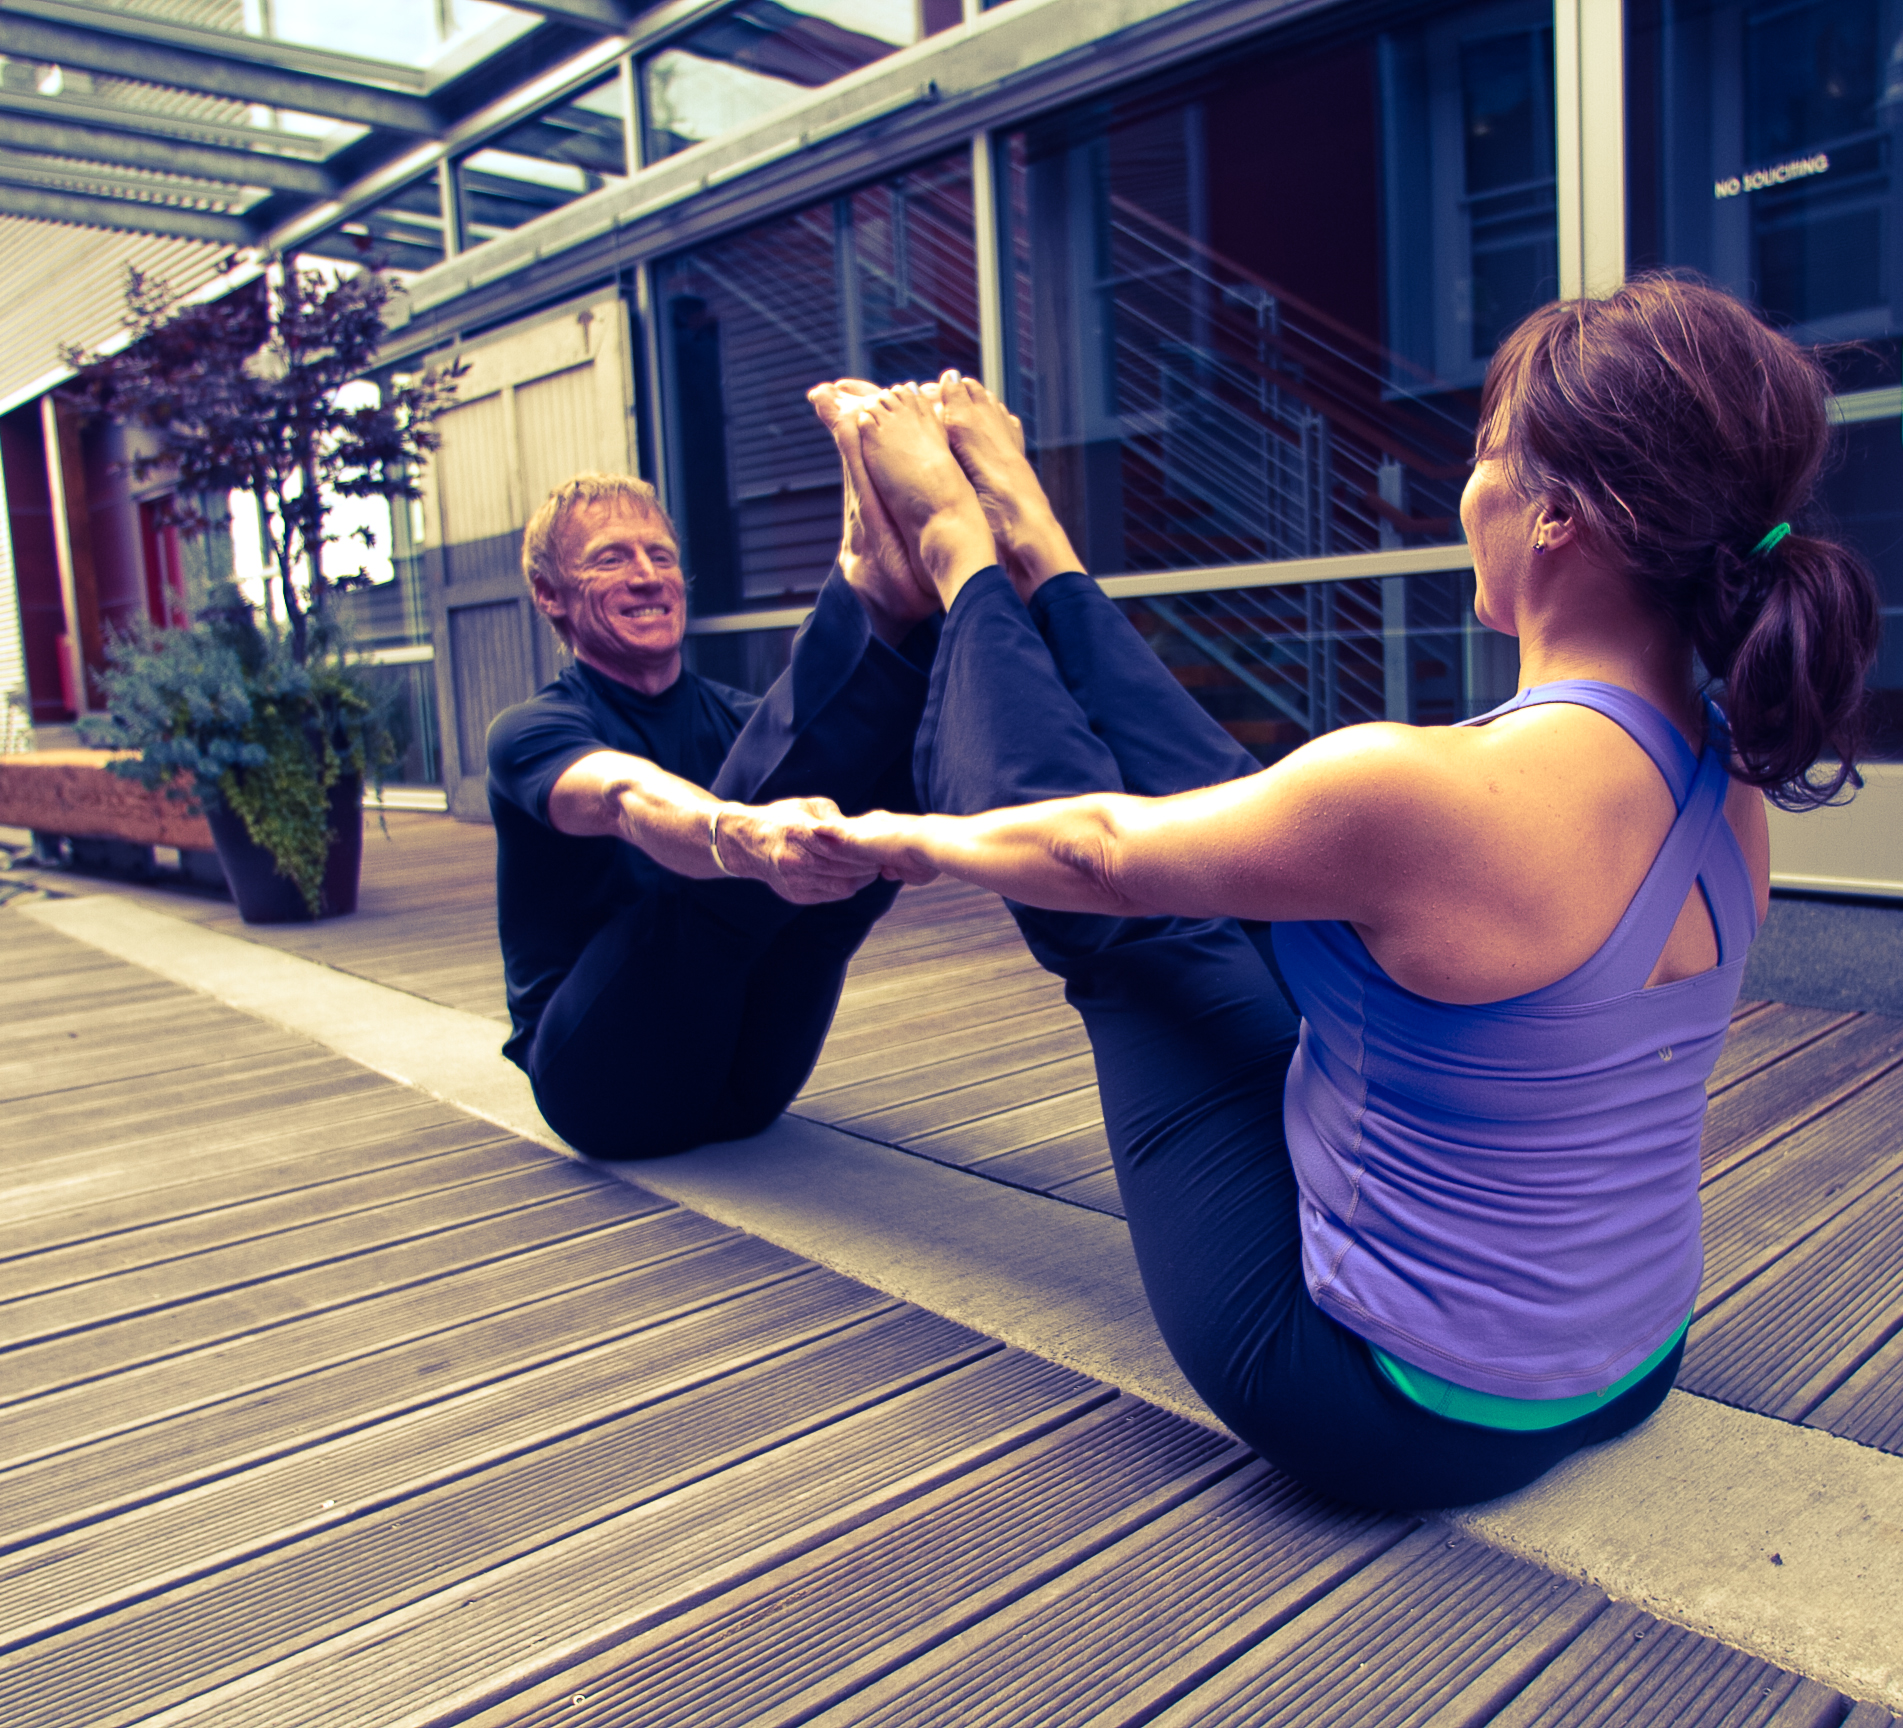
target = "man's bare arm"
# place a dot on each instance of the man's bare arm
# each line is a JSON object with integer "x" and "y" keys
{"x": 673, "y": 821}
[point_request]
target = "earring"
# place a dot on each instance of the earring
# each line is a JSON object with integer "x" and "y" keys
{"x": 1539, "y": 545}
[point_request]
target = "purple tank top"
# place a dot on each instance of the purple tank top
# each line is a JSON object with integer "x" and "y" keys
{"x": 1507, "y": 1195}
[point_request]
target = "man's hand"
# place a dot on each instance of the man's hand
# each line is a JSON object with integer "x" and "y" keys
{"x": 780, "y": 844}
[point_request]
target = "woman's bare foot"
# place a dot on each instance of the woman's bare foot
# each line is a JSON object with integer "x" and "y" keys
{"x": 924, "y": 490}
{"x": 872, "y": 555}
{"x": 988, "y": 441}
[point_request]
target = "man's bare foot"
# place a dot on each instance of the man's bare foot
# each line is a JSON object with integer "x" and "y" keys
{"x": 924, "y": 490}
{"x": 988, "y": 441}
{"x": 872, "y": 555}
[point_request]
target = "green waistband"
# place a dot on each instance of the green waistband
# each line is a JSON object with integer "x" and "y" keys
{"x": 1521, "y": 1415}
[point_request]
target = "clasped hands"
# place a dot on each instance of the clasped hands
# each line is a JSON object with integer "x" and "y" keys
{"x": 807, "y": 852}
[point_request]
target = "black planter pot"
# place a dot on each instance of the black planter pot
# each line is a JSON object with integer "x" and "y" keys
{"x": 265, "y": 897}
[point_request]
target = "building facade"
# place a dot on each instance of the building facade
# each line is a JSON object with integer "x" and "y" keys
{"x": 1238, "y": 265}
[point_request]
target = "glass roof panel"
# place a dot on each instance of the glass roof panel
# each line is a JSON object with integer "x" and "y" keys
{"x": 757, "y": 57}
{"x": 413, "y": 33}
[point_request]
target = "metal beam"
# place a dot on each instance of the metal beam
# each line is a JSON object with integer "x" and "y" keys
{"x": 67, "y": 108}
{"x": 123, "y": 214}
{"x": 161, "y": 156}
{"x": 235, "y": 76}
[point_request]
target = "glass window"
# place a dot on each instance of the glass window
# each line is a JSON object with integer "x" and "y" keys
{"x": 757, "y": 57}
{"x": 1862, "y": 499}
{"x": 1253, "y": 303}
{"x": 879, "y": 284}
{"x": 578, "y": 146}
{"x": 1761, "y": 151}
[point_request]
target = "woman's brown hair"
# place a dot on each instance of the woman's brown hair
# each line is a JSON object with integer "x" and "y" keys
{"x": 1676, "y": 430}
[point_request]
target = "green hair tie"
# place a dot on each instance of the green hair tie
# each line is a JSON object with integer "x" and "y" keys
{"x": 1769, "y": 541}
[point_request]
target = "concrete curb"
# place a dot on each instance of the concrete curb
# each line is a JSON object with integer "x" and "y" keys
{"x": 1780, "y": 1540}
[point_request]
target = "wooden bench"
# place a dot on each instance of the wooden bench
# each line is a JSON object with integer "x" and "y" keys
{"x": 80, "y": 813}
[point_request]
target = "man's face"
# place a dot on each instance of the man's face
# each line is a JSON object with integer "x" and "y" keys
{"x": 623, "y": 594}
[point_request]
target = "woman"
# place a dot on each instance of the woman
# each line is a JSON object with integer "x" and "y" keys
{"x": 1464, "y": 1244}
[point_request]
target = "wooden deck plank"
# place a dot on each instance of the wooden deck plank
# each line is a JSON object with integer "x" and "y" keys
{"x": 970, "y": 1144}
{"x": 644, "y": 1564}
{"x": 416, "y": 1134}
{"x": 938, "y": 1077}
{"x": 1797, "y": 1331}
{"x": 1219, "y": 1572}
{"x": 210, "y": 1239}
{"x": 127, "y": 1170}
{"x": 971, "y": 1093}
{"x": 253, "y": 1379}
{"x": 1630, "y": 1671}
{"x": 1868, "y": 1406}
{"x": 843, "y": 1616}
{"x": 1098, "y": 1191}
{"x": 888, "y": 1050}
{"x": 1436, "y": 1629}
{"x": 48, "y": 1363}
{"x": 1051, "y": 1164}
{"x": 1759, "y": 1211}
{"x": 1801, "y": 1084}
{"x": 1768, "y": 1033}
{"x": 215, "y": 1089}
{"x": 76, "y": 1574}
{"x": 625, "y": 1429}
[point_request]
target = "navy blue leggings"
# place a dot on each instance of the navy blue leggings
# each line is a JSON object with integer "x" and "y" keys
{"x": 697, "y": 1012}
{"x": 1192, "y": 1034}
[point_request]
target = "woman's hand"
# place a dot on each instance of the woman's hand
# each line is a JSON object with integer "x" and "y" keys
{"x": 894, "y": 846}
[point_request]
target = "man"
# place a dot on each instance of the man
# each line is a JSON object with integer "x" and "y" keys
{"x": 673, "y": 943}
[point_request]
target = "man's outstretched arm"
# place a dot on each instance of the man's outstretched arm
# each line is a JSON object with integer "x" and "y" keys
{"x": 679, "y": 825}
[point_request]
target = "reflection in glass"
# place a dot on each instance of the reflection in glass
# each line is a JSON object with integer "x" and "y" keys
{"x": 1862, "y": 499}
{"x": 879, "y": 284}
{"x": 1761, "y": 152}
{"x": 761, "y": 55}
{"x": 578, "y": 146}
{"x": 1252, "y": 303}
{"x": 1278, "y": 666}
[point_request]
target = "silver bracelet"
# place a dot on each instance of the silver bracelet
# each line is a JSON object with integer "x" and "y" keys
{"x": 713, "y": 839}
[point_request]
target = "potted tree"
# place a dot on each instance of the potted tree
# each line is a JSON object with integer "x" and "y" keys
{"x": 266, "y": 723}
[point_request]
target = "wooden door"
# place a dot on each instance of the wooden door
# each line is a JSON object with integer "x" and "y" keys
{"x": 539, "y": 403}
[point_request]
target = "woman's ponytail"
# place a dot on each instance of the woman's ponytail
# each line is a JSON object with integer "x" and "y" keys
{"x": 1791, "y": 654}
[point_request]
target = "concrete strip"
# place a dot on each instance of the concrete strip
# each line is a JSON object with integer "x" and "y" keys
{"x": 1683, "y": 1517}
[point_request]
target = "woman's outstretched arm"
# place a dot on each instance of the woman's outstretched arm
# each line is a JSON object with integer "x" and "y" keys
{"x": 1320, "y": 835}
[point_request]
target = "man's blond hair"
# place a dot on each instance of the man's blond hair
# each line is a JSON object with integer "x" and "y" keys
{"x": 541, "y": 540}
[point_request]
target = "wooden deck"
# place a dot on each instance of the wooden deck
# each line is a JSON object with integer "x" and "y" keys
{"x": 328, "y": 1404}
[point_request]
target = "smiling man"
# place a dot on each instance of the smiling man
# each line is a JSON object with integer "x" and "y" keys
{"x": 673, "y": 946}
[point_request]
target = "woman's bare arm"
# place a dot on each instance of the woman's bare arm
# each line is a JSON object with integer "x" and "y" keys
{"x": 1313, "y": 837}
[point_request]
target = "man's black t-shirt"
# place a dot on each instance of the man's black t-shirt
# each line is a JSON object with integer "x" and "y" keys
{"x": 554, "y": 891}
